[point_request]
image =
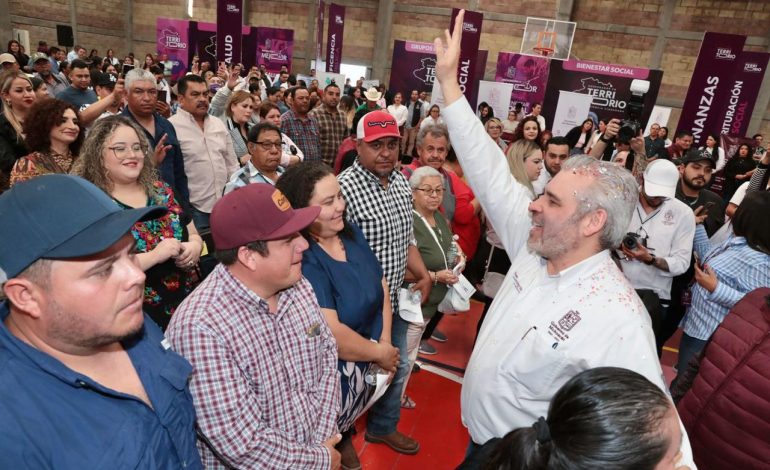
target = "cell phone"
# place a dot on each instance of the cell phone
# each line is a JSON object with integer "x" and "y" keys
{"x": 710, "y": 204}
{"x": 162, "y": 94}
{"x": 696, "y": 258}
{"x": 126, "y": 68}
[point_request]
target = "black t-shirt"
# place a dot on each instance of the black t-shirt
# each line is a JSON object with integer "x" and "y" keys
{"x": 712, "y": 202}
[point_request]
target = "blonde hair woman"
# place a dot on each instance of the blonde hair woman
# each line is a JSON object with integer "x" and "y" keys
{"x": 18, "y": 97}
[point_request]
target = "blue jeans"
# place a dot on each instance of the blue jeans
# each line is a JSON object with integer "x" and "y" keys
{"x": 689, "y": 347}
{"x": 384, "y": 415}
{"x": 200, "y": 219}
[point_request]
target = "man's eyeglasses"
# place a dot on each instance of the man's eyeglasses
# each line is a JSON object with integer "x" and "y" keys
{"x": 269, "y": 145}
{"x": 122, "y": 152}
{"x": 431, "y": 191}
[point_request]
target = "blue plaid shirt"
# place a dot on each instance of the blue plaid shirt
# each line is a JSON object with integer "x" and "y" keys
{"x": 739, "y": 269}
{"x": 305, "y": 133}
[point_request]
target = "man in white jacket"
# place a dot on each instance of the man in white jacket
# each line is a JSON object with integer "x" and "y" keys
{"x": 564, "y": 305}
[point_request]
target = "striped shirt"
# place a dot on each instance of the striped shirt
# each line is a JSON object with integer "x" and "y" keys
{"x": 265, "y": 385}
{"x": 739, "y": 269}
{"x": 384, "y": 214}
{"x": 304, "y": 133}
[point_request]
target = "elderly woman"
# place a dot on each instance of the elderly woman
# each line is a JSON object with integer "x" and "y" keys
{"x": 351, "y": 290}
{"x": 494, "y": 128}
{"x": 54, "y": 137}
{"x": 290, "y": 153}
{"x": 18, "y": 96}
{"x": 117, "y": 158}
{"x": 726, "y": 272}
{"x": 434, "y": 241}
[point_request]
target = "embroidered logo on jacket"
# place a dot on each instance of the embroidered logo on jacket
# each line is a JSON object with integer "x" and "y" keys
{"x": 559, "y": 329}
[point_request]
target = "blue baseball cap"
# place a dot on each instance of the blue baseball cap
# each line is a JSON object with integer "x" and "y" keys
{"x": 60, "y": 217}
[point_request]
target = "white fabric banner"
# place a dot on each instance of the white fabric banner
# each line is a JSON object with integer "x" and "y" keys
{"x": 497, "y": 95}
{"x": 571, "y": 110}
{"x": 325, "y": 78}
{"x": 659, "y": 115}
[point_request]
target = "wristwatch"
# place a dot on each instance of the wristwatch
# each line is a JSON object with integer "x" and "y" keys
{"x": 606, "y": 141}
{"x": 651, "y": 261}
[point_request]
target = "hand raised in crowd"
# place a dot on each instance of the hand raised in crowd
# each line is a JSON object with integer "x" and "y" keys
{"x": 447, "y": 60}
{"x": 336, "y": 457}
{"x": 612, "y": 129}
{"x": 388, "y": 356}
{"x": 232, "y": 79}
{"x": 445, "y": 276}
{"x": 196, "y": 67}
{"x": 168, "y": 248}
{"x": 159, "y": 154}
{"x": 637, "y": 145}
{"x": 119, "y": 92}
{"x": 701, "y": 214}
{"x": 706, "y": 277}
{"x": 163, "y": 109}
{"x": 222, "y": 72}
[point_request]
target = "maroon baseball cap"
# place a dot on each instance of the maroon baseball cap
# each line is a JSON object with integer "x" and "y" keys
{"x": 376, "y": 125}
{"x": 256, "y": 212}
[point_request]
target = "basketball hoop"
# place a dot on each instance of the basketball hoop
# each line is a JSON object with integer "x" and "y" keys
{"x": 543, "y": 51}
{"x": 548, "y": 38}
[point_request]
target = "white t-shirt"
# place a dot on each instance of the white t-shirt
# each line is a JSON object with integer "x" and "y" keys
{"x": 541, "y": 330}
{"x": 399, "y": 113}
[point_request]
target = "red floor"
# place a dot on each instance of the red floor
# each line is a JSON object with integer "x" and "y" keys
{"x": 435, "y": 422}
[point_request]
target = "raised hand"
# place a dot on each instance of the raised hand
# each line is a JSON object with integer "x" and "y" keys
{"x": 447, "y": 60}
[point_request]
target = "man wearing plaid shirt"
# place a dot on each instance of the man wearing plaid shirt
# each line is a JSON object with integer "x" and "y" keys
{"x": 302, "y": 127}
{"x": 265, "y": 383}
{"x": 379, "y": 200}
{"x": 332, "y": 124}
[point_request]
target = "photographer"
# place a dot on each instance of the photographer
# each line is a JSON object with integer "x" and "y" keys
{"x": 613, "y": 140}
{"x": 659, "y": 241}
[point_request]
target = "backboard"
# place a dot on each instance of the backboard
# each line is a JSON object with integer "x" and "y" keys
{"x": 548, "y": 38}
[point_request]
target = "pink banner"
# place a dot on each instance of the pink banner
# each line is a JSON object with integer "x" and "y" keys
{"x": 611, "y": 70}
{"x": 172, "y": 41}
{"x": 229, "y": 30}
{"x": 528, "y": 74}
{"x": 334, "y": 37}
{"x": 468, "y": 52}
{"x": 274, "y": 48}
{"x": 742, "y": 92}
{"x": 707, "y": 93}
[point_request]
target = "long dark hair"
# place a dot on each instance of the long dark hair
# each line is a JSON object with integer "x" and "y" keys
{"x": 298, "y": 185}
{"x": 606, "y": 418}
{"x": 751, "y": 222}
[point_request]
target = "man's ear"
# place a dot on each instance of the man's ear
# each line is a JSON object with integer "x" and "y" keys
{"x": 594, "y": 222}
{"x": 26, "y": 296}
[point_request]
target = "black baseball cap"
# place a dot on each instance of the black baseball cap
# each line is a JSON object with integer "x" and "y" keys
{"x": 695, "y": 155}
{"x": 106, "y": 80}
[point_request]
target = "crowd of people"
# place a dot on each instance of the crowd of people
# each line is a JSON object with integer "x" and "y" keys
{"x": 230, "y": 269}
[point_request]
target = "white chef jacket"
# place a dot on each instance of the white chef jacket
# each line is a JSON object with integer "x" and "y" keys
{"x": 541, "y": 330}
{"x": 670, "y": 229}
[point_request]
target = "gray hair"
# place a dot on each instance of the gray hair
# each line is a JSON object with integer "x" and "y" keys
{"x": 138, "y": 75}
{"x": 419, "y": 174}
{"x": 435, "y": 130}
{"x": 614, "y": 189}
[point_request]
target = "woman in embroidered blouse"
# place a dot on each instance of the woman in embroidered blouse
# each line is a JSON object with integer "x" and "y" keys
{"x": 53, "y": 136}
{"x": 350, "y": 287}
{"x": 117, "y": 158}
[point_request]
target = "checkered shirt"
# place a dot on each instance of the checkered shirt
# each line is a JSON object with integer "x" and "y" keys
{"x": 265, "y": 385}
{"x": 304, "y": 132}
{"x": 385, "y": 217}
{"x": 333, "y": 128}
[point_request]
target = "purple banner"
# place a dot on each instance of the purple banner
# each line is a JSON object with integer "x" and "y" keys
{"x": 413, "y": 67}
{"x": 172, "y": 41}
{"x": 528, "y": 74}
{"x": 609, "y": 84}
{"x": 468, "y": 52}
{"x": 203, "y": 43}
{"x": 319, "y": 33}
{"x": 708, "y": 90}
{"x": 742, "y": 92}
{"x": 334, "y": 37}
{"x": 229, "y": 30}
{"x": 249, "y": 47}
{"x": 274, "y": 48}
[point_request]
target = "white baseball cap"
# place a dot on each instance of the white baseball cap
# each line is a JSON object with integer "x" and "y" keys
{"x": 660, "y": 179}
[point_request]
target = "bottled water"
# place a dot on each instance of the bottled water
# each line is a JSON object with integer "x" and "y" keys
{"x": 452, "y": 253}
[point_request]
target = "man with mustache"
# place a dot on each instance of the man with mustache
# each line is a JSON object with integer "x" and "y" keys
{"x": 87, "y": 381}
{"x": 207, "y": 149}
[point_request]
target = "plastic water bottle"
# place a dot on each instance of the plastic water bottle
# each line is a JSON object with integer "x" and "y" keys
{"x": 452, "y": 253}
{"x": 415, "y": 295}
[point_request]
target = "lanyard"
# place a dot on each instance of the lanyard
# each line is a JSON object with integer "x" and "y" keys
{"x": 432, "y": 232}
{"x": 648, "y": 218}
